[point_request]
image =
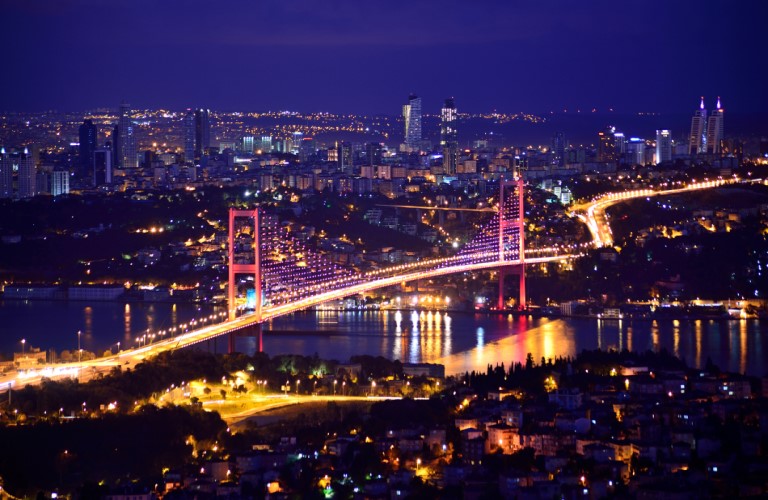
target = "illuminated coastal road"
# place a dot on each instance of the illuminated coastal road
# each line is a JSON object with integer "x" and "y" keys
{"x": 594, "y": 213}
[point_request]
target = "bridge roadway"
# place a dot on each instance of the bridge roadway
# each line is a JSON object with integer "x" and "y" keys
{"x": 594, "y": 217}
{"x": 86, "y": 370}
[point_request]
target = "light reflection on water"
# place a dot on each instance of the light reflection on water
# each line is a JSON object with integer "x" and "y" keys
{"x": 459, "y": 340}
{"x": 472, "y": 341}
{"x": 550, "y": 340}
{"x": 54, "y": 324}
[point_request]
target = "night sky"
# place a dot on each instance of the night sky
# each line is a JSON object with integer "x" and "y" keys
{"x": 365, "y": 56}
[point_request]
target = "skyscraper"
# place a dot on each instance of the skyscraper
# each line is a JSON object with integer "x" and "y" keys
{"x": 663, "y": 146}
{"x": 373, "y": 153}
{"x": 449, "y": 137}
{"x": 117, "y": 150}
{"x": 296, "y": 139}
{"x": 558, "y": 149}
{"x": 266, "y": 144}
{"x": 202, "y": 133}
{"x": 102, "y": 166}
{"x": 606, "y": 146}
{"x": 88, "y": 144}
{"x": 412, "y": 121}
{"x": 23, "y": 164}
{"x": 306, "y": 149}
{"x": 715, "y": 128}
{"x": 697, "y": 143}
{"x": 126, "y": 134}
{"x": 59, "y": 182}
{"x": 344, "y": 156}
{"x": 27, "y": 174}
{"x": 6, "y": 175}
{"x": 247, "y": 144}
{"x": 189, "y": 137}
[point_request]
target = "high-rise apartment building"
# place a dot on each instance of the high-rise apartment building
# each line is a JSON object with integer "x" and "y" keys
{"x": 59, "y": 182}
{"x": 412, "y": 122}
{"x": 697, "y": 142}
{"x": 306, "y": 148}
{"x": 189, "y": 137}
{"x": 449, "y": 137}
{"x": 19, "y": 164}
{"x": 715, "y": 128}
{"x": 344, "y": 156}
{"x": 663, "y": 146}
{"x": 126, "y": 139}
{"x": 102, "y": 166}
{"x": 296, "y": 139}
{"x": 88, "y": 144}
{"x": 24, "y": 163}
{"x": 559, "y": 146}
{"x": 202, "y": 133}
{"x": 6, "y": 174}
{"x": 606, "y": 145}
{"x": 373, "y": 153}
{"x": 266, "y": 144}
{"x": 247, "y": 144}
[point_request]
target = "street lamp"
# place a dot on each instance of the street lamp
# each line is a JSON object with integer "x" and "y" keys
{"x": 373, "y": 387}
{"x": 297, "y": 387}
{"x": 334, "y": 386}
{"x": 23, "y": 342}
{"x": 79, "y": 350}
{"x": 118, "y": 353}
{"x": 343, "y": 387}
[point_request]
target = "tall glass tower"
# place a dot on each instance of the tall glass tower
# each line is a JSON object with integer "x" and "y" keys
{"x": 88, "y": 144}
{"x": 412, "y": 121}
{"x": 202, "y": 132}
{"x": 127, "y": 157}
{"x": 715, "y": 129}
{"x": 189, "y": 137}
{"x": 698, "y": 140}
{"x": 449, "y": 137}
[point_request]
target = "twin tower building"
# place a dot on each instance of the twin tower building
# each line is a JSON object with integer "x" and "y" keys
{"x": 706, "y": 131}
{"x": 449, "y": 142}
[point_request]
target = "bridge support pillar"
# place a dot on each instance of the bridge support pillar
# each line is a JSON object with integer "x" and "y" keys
{"x": 231, "y": 349}
{"x": 523, "y": 300}
{"x": 235, "y": 268}
{"x": 500, "y": 303}
{"x": 254, "y": 331}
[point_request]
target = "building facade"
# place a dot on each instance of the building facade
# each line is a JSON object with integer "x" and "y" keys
{"x": 412, "y": 122}
{"x": 449, "y": 137}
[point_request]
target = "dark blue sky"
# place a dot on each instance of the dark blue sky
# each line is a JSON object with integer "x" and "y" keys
{"x": 365, "y": 56}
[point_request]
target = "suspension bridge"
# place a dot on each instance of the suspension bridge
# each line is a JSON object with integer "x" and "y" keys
{"x": 287, "y": 276}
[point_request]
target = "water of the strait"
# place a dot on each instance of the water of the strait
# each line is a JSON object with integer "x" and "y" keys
{"x": 460, "y": 341}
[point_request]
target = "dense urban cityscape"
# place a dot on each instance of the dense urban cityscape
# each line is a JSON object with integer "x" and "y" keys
{"x": 214, "y": 292}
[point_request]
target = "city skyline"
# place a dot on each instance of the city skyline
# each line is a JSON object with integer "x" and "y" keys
{"x": 534, "y": 58}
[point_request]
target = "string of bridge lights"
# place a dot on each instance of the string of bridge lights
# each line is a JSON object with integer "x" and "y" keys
{"x": 293, "y": 273}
